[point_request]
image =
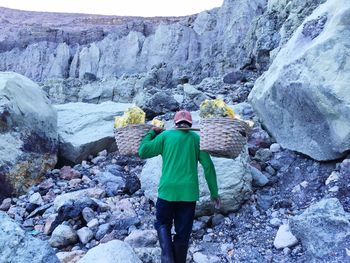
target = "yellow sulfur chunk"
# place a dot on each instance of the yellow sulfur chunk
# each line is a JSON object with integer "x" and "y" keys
{"x": 215, "y": 109}
{"x": 135, "y": 115}
{"x": 119, "y": 122}
{"x": 158, "y": 123}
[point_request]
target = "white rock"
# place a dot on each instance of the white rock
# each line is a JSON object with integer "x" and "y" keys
{"x": 86, "y": 129}
{"x": 76, "y": 195}
{"x": 275, "y": 147}
{"x": 85, "y": 235}
{"x": 63, "y": 236}
{"x": 284, "y": 238}
{"x": 92, "y": 223}
{"x": 304, "y": 184}
{"x": 199, "y": 257}
{"x": 334, "y": 177}
{"x": 114, "y": 251}
{"x": 36, "y": 199}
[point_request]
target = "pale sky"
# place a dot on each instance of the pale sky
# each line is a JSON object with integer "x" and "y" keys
{"x": 116, "y": 7}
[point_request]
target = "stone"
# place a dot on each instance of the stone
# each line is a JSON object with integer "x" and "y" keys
{"x": 334, "y": 177}
{"x": 233, "y": 77}
{"x": 199, "y": 257}
{"x": 36, "y": 199}
{"x": 92, "y": 133}
{"x": 142, "y": 238}
{"x": 50, "y": 224}
{"x": 324, "y": 230}
{"x": 102, "y": 231}
{"x": 317, "y": 106}
{"x": 68, "y": 173}
{"x": 259, "y": 179}
{"x": 6, "y": 204}
{"x": 28, "y": 134}
{"x": 76, "y": 195}
{"x": 88, "y": 214}
{"x": 217, "y": 220}
{"x": 284, "y": 238}
{"x": 63, "y": 236}
{"x": 85, "y": 235}
{"x": 275, "y": 147}
{"x": 70, "y": 257}
{"x": 114, "y": 251}
{"x": 20, "y": 247}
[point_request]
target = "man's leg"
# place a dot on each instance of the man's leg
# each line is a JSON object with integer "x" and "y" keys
{"x": 183, "y": 220}
{"x": 163, "y": 224}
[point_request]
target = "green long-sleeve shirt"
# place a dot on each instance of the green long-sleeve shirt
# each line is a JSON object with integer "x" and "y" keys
{"x": 180, "y": 152}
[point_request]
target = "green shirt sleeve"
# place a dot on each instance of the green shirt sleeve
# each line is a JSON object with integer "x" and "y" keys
{"x": 151, "y": 145}
{"x": 209, "y": 173}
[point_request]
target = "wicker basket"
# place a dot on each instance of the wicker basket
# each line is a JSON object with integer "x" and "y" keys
{"x": 128, "y": 138}
{"x": 223, "y": 137}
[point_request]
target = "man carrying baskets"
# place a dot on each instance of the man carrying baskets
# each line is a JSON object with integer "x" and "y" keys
{"x": 178, "y": 188}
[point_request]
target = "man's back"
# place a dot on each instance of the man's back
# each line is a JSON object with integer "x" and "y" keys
{"x": 180, "y": 152}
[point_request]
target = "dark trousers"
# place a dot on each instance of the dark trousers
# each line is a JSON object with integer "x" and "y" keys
{"x": 181, "y": 213}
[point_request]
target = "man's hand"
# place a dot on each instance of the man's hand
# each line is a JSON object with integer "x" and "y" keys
{"x": 157, "y": 129}
{"x": 217, "y": 202}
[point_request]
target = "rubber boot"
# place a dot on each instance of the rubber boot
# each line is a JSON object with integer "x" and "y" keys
{"x": 180, "y": 252}
{"x": 166, "y": 244}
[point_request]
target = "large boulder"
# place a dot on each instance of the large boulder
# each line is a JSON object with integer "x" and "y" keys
{"x": 86, "y": 129}
{"x": 233, "y": 176}
{"x": 28, "y": 134}
{"x": 114, "y": 251}
{"x": 324, "y": 231}
{"x": 304, "y": 97}
{"x": 19, "y": 247}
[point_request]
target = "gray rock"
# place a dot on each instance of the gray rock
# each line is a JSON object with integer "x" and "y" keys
{"x": 63, "y": 236}
{"x": 259, "y": 179}
{"x": 85, "y": 235}
{"x": 19, "y": 247}
{"x": 28, "y": 134}
{"x": 142, "y": 238}
{"x": 6, "y": 204}
{"x": 88, "y": 214}
{"x": 317, "y": 102}
{"x": 76, "y": 195}
{"x": 115, "y": 251}
{"x": 102, "y": 231}
{"x": 324, "y": 230}
{"x": 86, "y": 129}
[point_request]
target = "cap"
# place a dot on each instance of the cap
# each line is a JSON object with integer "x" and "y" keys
{"x": 183, "y": 115}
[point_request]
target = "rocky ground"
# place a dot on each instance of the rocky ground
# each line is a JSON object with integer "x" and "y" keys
{"x": 110, "y": 204}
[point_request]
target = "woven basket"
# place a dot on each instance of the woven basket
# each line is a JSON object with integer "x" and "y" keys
{"x": 128, "y": 138}
{"x": 223, "y": 137}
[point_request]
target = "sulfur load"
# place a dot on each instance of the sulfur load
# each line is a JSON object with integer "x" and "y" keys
{"x": 133, "y": 115}
{"x": 158, "y": 123}
{"x": 215, "y": 109}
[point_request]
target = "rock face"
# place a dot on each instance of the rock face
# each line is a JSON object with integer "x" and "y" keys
{"x": 86, "y": 129}
{"x": 111, "y": 252}
{"x": 324, "y": 230}
{"x": 233, "y": 176}
{"x": 30, "y": 249}
{"x": 28, "y": 133}
{"x": 303, "y": 99}
{"x": 102, "y": 47}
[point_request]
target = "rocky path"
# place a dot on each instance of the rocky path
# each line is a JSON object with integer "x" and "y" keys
{"x": 77, "y": 209}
